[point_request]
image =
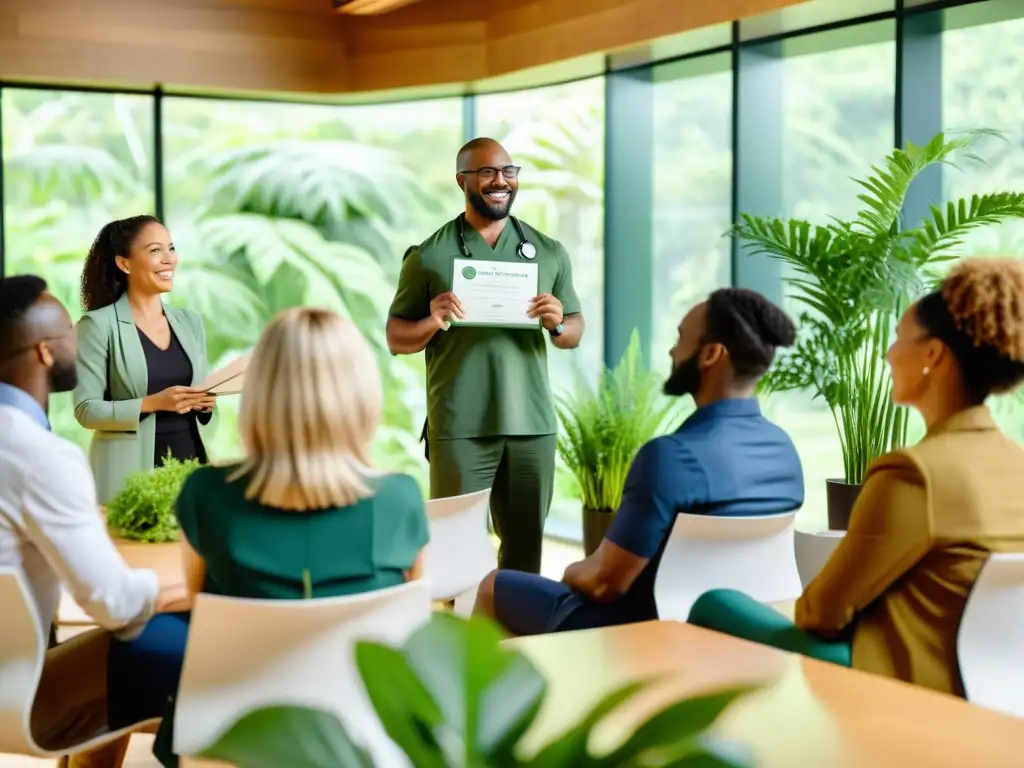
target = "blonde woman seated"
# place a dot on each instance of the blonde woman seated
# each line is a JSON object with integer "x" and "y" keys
{"x": 304, "y": 515}
{"x": 891, "y": 597}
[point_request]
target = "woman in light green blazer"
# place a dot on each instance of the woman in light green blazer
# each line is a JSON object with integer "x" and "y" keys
{"x": 139, "y": 362}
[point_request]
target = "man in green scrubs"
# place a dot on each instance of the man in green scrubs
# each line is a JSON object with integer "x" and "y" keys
{"x": 490, "y": 416}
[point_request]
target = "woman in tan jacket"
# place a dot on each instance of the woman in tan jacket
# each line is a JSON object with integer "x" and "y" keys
{"x": 891, "y": 597}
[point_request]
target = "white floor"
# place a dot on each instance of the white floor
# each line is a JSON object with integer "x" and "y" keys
{"x": 557, "y": 556}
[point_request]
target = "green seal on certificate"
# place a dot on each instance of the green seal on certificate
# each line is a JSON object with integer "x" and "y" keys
{"x": 496, "y": 293}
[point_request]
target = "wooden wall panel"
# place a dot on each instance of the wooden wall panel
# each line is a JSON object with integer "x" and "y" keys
{"x": 212, "y": 44}
{"x": 305, "y": 46}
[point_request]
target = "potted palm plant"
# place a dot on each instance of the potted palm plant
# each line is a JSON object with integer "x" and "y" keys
{"x": 603, "y": 427}
{"x": 453, "y": 696}
{"x": 854, "y": 278}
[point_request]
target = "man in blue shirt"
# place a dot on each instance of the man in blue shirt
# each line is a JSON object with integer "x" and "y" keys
{"x": 725, "y": 459}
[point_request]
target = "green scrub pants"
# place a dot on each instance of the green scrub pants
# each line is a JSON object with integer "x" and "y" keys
{"x": 734, "y": 613}
{"x": 520, "y": 471}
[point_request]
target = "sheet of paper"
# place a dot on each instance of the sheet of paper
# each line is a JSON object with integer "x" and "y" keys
{"x": 229, "y": 379}
{"x": 495, "y": 293}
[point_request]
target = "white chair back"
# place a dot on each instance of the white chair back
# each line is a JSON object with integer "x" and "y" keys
{"x": 461, "y": 551}
{"x": 22, "y": 655}
{"x": 22, "y": 650}
{"x": 991, "y": 636}
{"x": 247, "y": 654}
{"x": 813, "y": 550}
{"x": 752, "y": 554}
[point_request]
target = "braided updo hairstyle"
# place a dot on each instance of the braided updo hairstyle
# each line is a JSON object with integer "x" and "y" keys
{"x": 102, "y": 281}
{"x": 978, "y": 313}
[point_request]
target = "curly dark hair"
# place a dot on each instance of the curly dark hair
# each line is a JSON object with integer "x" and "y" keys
{"x": 750, "y": 327}
{"x": 102, "y": 281}
{"x": 978, "y": 313}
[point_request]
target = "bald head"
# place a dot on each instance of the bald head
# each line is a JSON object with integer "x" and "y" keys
{"x": 480, "y": 148}
{"x": 484, "y": 172}
{"x": 37, "y": 335}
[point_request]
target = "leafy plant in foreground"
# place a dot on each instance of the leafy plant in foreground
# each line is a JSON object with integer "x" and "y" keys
{"x": 454, "y": 697}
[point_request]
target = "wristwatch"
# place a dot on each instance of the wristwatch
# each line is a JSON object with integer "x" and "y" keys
{"x": 558, "y": 330}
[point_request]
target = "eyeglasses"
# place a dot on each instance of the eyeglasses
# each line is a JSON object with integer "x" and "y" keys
{"x": 487, "y": 173}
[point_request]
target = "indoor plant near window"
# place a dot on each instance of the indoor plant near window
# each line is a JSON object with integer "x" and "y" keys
{"x": 453, "y": 697}
{"x": 855, "y": 277}
{"x": 603, "y": 426}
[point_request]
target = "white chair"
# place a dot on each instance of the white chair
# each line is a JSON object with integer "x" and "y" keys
{"x": 752, "y": 554}
{"x": 22, "y": 653}
{"x": 461, "y": 551}
{"x": 813, "y": 550}
{"x": 247, "y": 654}
{"x": 991, "y": 636}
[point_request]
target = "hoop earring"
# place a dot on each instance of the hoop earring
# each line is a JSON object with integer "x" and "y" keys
{"x": 925, "y": 371}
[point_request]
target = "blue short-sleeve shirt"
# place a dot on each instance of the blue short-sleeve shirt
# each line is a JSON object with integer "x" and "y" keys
{"x": 725, "y": 459}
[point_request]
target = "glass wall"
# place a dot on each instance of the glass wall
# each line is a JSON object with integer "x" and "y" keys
{"x": 72, "y": 161}
{"x": 837, "y": 92}
{"x": 982, "y": 73}
{"x": 557, "y": 135}
{"x": 279, "y": 204}
{"x": 692, "y": 179}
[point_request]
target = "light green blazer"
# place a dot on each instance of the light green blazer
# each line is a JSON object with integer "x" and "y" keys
{"x": 113, "y": 380}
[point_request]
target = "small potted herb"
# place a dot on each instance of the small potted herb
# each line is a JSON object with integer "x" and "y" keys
{"x": 144, "y": 508}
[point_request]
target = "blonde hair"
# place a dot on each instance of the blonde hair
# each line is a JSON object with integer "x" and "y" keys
{"x": 310, "y": 406}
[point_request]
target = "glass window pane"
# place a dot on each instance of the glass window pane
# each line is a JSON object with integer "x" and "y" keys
{"x": 275, "y": 205}
{"x": 982, "y": 73}
{"x": 692, "y": 192}
{"x": 837, "y": 122}
{"x": 557, "y": 135}
{"x": 72, "y": 162}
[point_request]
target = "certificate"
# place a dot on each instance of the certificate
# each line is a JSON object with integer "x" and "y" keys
{"x": 229, "y": 379}
{"x": 495, "y": 293}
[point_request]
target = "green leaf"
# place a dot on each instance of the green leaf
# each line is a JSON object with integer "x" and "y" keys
{"x": 680, "y": 721}
{"x": 571, "y": 748}
{"x": 297, "y": 737}
{"x": 488, "y": 695}
{"x": 405, "y": 707}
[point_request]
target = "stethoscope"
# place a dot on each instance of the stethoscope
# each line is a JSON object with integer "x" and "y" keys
{"x": 525, "y": 249}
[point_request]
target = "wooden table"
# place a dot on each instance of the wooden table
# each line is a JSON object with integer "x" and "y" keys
{"x": 813, "y": 715}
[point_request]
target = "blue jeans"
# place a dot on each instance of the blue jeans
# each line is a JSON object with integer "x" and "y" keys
{"x": 143, "y": 676}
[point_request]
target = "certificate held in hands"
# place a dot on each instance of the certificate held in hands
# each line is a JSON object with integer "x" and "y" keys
{"x": 229, "y": 379}
{"x": 495, "y": 293}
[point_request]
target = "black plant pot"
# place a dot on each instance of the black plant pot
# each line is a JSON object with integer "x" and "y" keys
{"x": 841, "y": 498}
{"x": 595, "y": 524}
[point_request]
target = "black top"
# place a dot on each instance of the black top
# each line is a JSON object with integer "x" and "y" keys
{"x": 176, "y": 433}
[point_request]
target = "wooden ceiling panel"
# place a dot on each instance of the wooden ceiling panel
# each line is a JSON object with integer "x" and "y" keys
{"x": 306, "y": 46}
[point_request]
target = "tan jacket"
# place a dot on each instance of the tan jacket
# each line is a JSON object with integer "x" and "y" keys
{"x": 926, "y": 520}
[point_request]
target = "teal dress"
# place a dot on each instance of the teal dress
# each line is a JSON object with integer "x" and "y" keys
{"x": 254, "y": 551}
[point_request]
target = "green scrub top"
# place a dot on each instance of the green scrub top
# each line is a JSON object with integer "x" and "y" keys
{"x": 252, "y": 550}
{"x": 484, "y": 382}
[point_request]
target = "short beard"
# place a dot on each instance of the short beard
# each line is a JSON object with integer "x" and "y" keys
{"x": 63, "y": 377}
{"x": 684, "y": 379}
{"x": 488, "y": 211}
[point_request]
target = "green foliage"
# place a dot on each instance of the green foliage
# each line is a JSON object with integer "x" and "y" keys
{"x": 856, "y": 277}
{"x": 144, "y": 508}
{"x": 453, "y": 697}
{"x": 604, "y": 426}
